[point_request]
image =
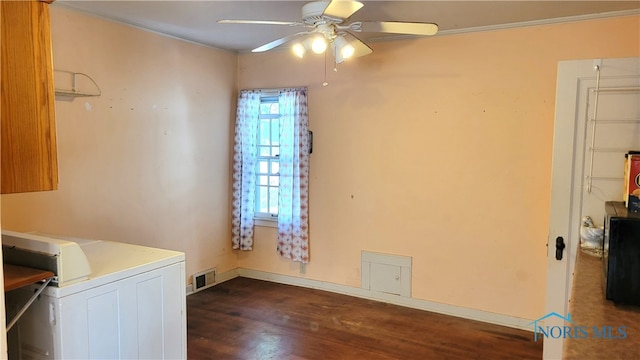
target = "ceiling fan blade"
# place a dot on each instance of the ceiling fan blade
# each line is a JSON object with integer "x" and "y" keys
{"x": 278, "y": 42}
{"x": 342, "y": 9}
{"x": 397, "y": 27}
{"x": 360, "y": 48}
{"x": 260, "y": 22}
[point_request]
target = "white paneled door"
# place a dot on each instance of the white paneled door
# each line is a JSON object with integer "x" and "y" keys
{"x": 597, "y": 121}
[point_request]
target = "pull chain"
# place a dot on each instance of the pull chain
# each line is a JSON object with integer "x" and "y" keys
{"x": 325, "y": 83}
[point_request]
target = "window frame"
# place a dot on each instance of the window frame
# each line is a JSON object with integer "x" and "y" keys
{"x": 266, "y": 218}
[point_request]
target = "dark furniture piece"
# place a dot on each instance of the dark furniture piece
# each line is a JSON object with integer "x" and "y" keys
{"x": 621, "y": 254}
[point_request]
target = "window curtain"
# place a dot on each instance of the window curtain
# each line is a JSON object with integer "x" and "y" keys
{"x": 293, "y": 203}
{"x": 293, "y": 198}
{"x": 244, "y": 168}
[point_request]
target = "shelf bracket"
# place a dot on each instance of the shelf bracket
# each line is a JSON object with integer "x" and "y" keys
{"x": 73, "y": 78}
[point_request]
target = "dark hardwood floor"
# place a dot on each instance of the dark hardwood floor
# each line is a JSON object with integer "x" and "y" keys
{"x": 252, "y": 319}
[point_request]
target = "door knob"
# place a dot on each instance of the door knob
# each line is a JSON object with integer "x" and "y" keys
{"x": 559, "y": 247}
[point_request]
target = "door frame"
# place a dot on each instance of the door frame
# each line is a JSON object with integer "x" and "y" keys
{"x": 574, "y": 79}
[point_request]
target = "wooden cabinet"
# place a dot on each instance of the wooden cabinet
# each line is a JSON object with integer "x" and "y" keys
{"x": 28, "y": 154}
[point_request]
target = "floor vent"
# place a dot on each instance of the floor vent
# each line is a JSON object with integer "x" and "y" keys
{"x": 386, "y": 273}
{"x": 204, "y": 279}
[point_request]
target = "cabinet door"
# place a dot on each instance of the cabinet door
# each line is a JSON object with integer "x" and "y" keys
{"x": 139, "y": 317}
{"x": 28, "y": 157}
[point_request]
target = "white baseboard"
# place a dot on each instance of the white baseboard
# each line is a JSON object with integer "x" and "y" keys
{"x": 226, "y": 276}
{"x": 446, "y": 309}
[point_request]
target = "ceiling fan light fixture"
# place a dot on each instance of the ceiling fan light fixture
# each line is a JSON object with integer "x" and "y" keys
{"x": 347, "y": 51}
{"x": 328, "y": 24}
{"x": 299, "y": 50}
{"x": 319, "y": 45}
{"x": 344, "y": 48}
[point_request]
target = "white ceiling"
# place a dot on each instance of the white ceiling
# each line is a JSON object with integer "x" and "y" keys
{"x": 197, "y": 20}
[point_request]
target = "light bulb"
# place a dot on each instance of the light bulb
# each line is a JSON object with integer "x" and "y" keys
{"x": 319, "y": 45}
{"x": 299, "y": 50}
{"x": 347, "y": 51}
{"x": 342, "y": 49}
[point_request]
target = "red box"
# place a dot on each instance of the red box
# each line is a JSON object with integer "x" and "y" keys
{"x": 632, "y": 182}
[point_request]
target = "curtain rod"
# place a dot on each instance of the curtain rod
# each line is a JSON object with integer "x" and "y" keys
{"x": 275, "y": 89}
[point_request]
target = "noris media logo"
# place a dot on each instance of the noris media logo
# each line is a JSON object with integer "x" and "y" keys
{"x": 569, "y": 330}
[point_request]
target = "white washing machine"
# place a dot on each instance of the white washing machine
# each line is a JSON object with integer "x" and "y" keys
{"x": 109, "y": 300}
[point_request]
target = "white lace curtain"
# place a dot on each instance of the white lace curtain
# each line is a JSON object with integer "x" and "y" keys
{"x": 244, "y": 169}
{"x": 293, "y": 199}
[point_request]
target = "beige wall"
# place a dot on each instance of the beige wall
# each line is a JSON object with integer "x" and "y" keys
{"x": 148, "y": 161}
{"x": 439, "y": 149}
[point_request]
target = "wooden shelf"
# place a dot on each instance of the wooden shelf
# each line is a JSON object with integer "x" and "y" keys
{"x": 16, "y": 277}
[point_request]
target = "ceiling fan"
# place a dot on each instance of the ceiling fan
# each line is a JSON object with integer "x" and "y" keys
{"x": 326, "y": 26}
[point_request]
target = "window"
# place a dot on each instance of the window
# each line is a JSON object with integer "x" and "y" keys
{"x": 271, "y": 169}
{"x": 268, "y": 160}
